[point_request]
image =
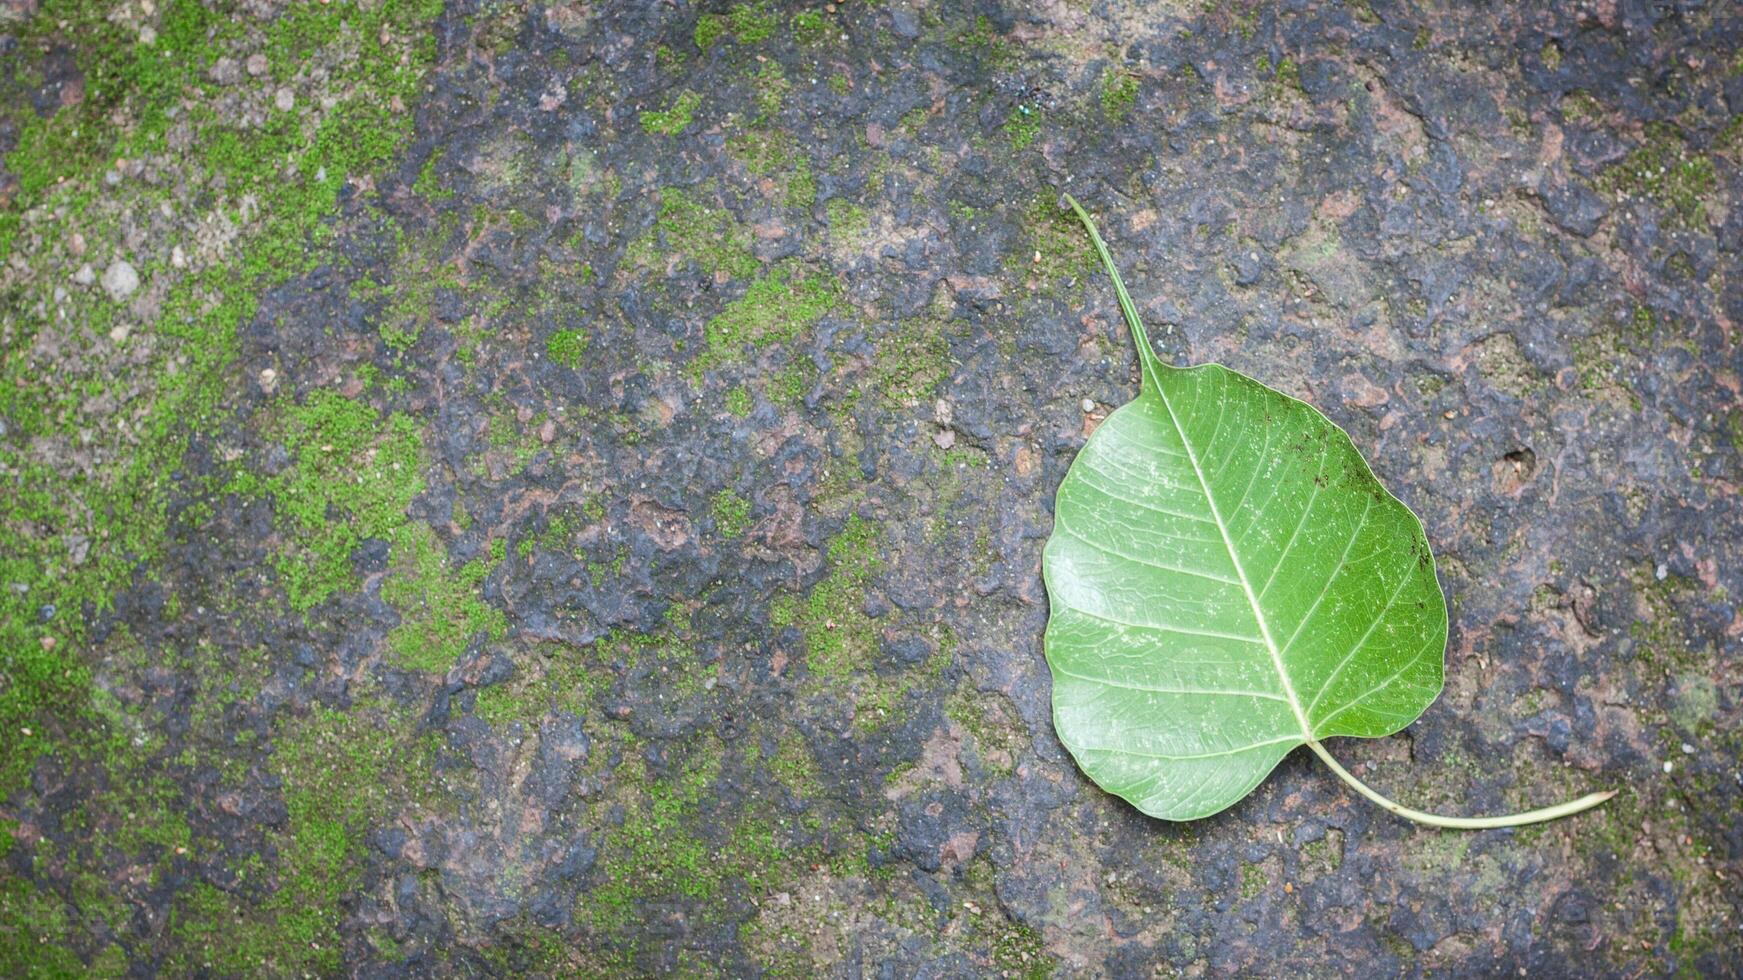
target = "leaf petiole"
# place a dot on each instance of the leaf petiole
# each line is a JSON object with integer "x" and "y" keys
{"x": 1547, "y": 813}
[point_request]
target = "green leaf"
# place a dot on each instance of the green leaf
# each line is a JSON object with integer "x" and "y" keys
{"x": 1229, "y": 581}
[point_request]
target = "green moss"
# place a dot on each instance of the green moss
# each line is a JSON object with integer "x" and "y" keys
{"x": 738, "y": 401}
{"x": 1054, "y": 249}
{"x": 1252, "y": 879}
{"x": 688, "y": 229}
{"x": 341, "y": 772}
{"x": 675, "y": 118}
{"x": 1019, "y": 952}
{"x": 34, "y": 922}
{"x": 179, "y": 385}
{"x": 427, "y": 185}
{"x": 810, "y": 27}
{"x": 994, "y": 729}
{"x": 1666, "y": 171}
{"x": 1022, "y": 126}
{"x": 789, "y": 385}
{"x": 1660, "y": 639}
{"x": 848, "y": 221}
{"x": 570, "y": 680}
{"x": 772, "y": 153}
{"x": 771, "y": 87}
{"x": 911, "y": 363}
{"x": 676, "y": 844}
{"x": 793, "y": 767}
{"x": 1119, "y": 93}
{"x": 754, "y": 23}
{"x": 839, "y": 636}
{"x": 1289, "y": 74}
{"x": 731, "y": 514}
{"x": 566, "y": 347}
{"x": 777, "y": 308}
{"x": 440, "y": 607}
{"x": 408, "y": 302}
{"x": 1600, "y": 362}
{"x": 709, "y": 29}
{"x": 1580, "y": 107}
{"x": 352, "y": 476}
{"x": 982, "y": 40}
{"x": 747, "y": 23}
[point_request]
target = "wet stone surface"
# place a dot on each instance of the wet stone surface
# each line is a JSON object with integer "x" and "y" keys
{"x": 594, "y": 525}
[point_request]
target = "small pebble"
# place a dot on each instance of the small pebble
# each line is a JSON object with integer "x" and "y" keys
{"x": 284, "y": 98}
{"x": 119, "y": 280}
{"x": 268, "y": 380}
{"x": 1687, "y": 749}
{"x": 1088, "y": 405}
{"x": 256, "y": 64}
{"x": 1668, "y": 765}
{"x": 86, "y": 275}
{"x": 225, "y": 71}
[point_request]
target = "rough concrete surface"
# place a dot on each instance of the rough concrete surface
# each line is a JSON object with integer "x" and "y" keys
{"x": 506, "y": 488}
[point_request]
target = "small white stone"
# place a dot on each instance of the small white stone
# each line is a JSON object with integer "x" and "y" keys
{"x": 1668, "y": 765}
{"x": 1088, "y": 405}
{"x": 1687, "y": 749}
{"x": 1661, "y": 571}
{"x": 148, "y": 35}
{"x": 284, "y": 98}
{"x": 119, "y": 280}
{"x": 86, "y": 275}
{"x": 119, "y": 333}
{"x": 268, "y": 380}
{"x": 256, "y": 64}
{"x": 178, "y": 258}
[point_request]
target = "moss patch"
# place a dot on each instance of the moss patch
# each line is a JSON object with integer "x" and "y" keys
{"x": 688, "y": 229}
{"x": 747, "y": 23}
{"x": 341, "y": 773}
{"x": 567, "y": 347}
{"x": 731, "y": 514}
{"x": 352, "y": 476}
{"x": 1666, "y": 171}
{"x": 1118, "y": 93}
{"x": 675, "y": 118}
{"x": 440, "y": 607}
{"x": 775, "y": 309}
{"x": 839, "y": 636}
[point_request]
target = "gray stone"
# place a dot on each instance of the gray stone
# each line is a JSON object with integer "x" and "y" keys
{"x": 120, "y": 280}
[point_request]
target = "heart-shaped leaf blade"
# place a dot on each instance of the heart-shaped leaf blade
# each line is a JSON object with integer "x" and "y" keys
{"x": 1228, "y": 581}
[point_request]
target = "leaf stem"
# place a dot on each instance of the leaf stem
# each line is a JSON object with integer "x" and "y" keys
{"x": 1460, "y": 823}
{"x": 1146, "y": 354}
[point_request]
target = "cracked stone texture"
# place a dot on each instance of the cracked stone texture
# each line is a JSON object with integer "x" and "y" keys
{"x": 719, "y": 365}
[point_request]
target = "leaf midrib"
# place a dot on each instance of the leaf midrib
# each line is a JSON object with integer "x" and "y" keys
{"x": 1240, "y": 570}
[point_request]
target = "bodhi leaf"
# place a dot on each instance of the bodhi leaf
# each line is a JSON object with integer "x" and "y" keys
{"x": 1229, "y": 581}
